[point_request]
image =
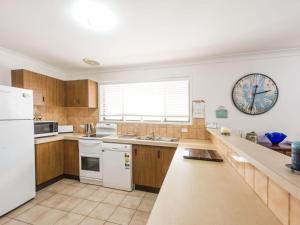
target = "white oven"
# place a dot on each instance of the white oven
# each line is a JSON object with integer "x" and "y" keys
{"x": 90, "y": 162}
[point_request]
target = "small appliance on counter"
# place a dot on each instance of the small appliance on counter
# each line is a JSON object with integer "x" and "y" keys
{"x": 225, "y": 131}
{"x": 65, "y": 128}
{"x": 45, "y": 128}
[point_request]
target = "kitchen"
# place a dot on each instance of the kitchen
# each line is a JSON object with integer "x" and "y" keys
{"x": 108, "y": 135}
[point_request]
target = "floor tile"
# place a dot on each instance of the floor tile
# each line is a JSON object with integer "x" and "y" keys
{"x": 131, "y": 202}
{"x": 103, "y": 211}
{"x": 151, "y": 195}
{"x": 84, "y": 193}
{"x": 98, "y": 195}
{"x": 50, "y": 217}
{"x": 70, "y": 219}
{"x": 69, "y": 204}
{"x": 137, "y": 193}
{"x": 33, "y": 214}
{"x": 54, "y": 201}
{"x": 15, "y": 222}
{"x": 43, "y": 195}
{"x": 57, "y": 187}
{"x": 78, "y": 184}
{"x": 85, "y": 207}
{"x": 105, "y": 189}
{"x": 92, "y": 186}
{"x": 140, "y": 218}
{"x": 21, "y": 209}
{"x": 121, "y": 216}
{"x": 4, "y": 219}
{"x": 120, "y": 192}
{"x": 91, "y": 221}
{"x": 146, "y": 204}
{"x": 114, "y": 198}
{"x": 68, "y": 181}
{"x": 70, "y": 190}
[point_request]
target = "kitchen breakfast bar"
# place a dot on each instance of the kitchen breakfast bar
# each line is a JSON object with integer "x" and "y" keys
{"x": 251, "y": 187}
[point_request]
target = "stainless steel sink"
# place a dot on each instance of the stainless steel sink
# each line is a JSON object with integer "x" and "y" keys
{"x": 148, "y": 138}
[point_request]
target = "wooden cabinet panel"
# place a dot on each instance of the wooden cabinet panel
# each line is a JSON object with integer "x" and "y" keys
{"x": 144, "y": 165}
{"x": 46, "y": 90}
{"x": 81, "y": 93}
{"x": 49, "y": 161}
{"x": 165, "y": 156}
{"x": 71, "y": 158}
{"x": 150, "y": 164}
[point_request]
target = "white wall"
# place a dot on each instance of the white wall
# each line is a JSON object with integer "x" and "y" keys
{"x": 213, "y": 81}
{"x": 10, "y": 60}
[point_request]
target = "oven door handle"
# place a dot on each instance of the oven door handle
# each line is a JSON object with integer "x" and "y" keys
{"x": 90, "y": 155}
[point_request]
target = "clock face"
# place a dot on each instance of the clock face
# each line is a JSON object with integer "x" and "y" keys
{"x": 255, "y": 94}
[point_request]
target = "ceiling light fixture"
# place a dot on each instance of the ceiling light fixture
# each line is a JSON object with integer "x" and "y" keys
{"x": 91, "y": 62}
{"x": 93, "y": 15}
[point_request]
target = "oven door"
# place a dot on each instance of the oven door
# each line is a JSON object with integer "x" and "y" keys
{"x": 90, "y": 166}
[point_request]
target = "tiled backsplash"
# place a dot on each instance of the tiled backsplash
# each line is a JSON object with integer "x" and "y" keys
{"x": 78, "y": 116}
{"x": 195, "y": 131}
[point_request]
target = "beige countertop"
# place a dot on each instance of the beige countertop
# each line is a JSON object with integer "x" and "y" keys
{"x": 207, "y": 193}
{"x": 111, "y": 139}
{"x": 65, "y": 136}
{"x": 270, "y": 162}
{"x": 116, "y": 139}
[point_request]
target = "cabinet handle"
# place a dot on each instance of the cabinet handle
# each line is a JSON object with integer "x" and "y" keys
{"x": 158, "y": 154}
{"x": 43, "y": 98}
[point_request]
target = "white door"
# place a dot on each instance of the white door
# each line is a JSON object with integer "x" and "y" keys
{"x": 17, "y": 164}
{"x": 117, "y": 172}
{"x": 15, "y": 103}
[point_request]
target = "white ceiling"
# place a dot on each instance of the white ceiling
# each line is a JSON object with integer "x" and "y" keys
{"x": 149, "y": 31}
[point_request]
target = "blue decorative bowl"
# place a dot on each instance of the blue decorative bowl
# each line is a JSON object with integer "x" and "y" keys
{"x": 276, "y": 137}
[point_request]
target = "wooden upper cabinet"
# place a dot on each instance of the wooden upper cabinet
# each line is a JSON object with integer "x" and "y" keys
{"x": 151, "y": 164}
{"x": 46, "y": 90}
{"x": 81, "y": 93}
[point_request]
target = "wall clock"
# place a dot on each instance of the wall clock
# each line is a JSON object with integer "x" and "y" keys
{"x": 255, "y": 94}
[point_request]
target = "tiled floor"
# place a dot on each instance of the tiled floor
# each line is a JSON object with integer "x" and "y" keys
{"x": 69, "y": 202}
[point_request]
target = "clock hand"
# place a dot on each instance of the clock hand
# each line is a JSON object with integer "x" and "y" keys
{"x": 254, "y": 94}
{"x": 262, "y": 92}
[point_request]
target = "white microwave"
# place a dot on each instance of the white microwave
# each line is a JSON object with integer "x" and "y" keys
{"x": 45, "y": 128}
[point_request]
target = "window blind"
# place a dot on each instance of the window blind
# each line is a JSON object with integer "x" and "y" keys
{"x": 165, "y": 101}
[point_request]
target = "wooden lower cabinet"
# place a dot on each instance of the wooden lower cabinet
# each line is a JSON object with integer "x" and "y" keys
{"x": 49, "y": 161}
{"x": 71, "y": 158}
{"x": 151, "y": 164}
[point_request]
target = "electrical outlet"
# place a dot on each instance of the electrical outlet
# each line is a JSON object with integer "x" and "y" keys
{"x": 184, "y": 130}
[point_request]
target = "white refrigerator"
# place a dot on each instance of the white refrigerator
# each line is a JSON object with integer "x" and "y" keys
{"x": 17, "y": 157}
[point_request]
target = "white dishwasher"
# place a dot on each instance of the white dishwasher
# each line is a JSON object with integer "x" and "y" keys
{"x": 117, "y": 166}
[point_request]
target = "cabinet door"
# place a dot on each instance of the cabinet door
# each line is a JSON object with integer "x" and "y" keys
{"x": 71, "y": 158}
{"x": 144, "y": 163}
{"x": 42, "y": 163}
{"x": 60, "y": 93}
{"x": 164, "y": 159}
{"x": 56, "y": 149}
{"x": 51, "y": 92}
{"x": 76, "y": 93}
{"x": 30, "y": 80}
{"x": 93, "y": 94}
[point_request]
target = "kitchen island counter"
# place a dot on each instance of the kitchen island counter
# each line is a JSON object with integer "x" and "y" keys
{"x": 207, "y": 193}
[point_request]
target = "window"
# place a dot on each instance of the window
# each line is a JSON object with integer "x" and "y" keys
{"x": 166, "y": 101}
